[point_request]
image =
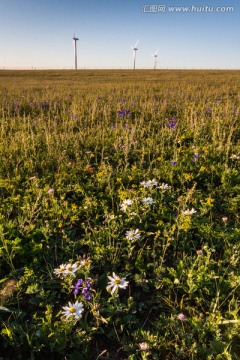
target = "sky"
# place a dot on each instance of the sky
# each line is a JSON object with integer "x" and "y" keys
{"x": 187, "y": 34}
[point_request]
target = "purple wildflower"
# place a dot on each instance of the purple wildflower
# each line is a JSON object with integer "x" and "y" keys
{"x": 88, "y": 297}
{"x": 195, "y": 157}
{"x": 123, "y": 113}
{"x": 173, "y": 163}
{"x": 208, "y": 111}
{"x": 77, "y": 286}
{"x": 172, "y": 124}
{"x": 88, "y": 283}
{"x": 84, "y": 290}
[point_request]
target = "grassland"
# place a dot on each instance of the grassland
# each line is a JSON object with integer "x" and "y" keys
{"x": 132, "y": 175}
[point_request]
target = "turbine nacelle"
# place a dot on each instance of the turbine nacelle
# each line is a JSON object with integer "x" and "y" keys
{"x": 155, "y": 59}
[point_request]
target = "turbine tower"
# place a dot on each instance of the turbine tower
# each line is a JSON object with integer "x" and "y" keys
{"x": 75, "y": 39}
{"x": 134, "y": 48}
{"x": 155, "y": 59}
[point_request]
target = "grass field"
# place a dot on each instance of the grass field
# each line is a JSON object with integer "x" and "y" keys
{"x": 119, "y": 231}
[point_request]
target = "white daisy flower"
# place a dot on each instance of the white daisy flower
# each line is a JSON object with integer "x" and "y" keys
{"x": 147, "y": 201}
{"x": 125, "y": 204}
{"x": 85, "y": 262}
{"x": 73, "y": 310}
{"x": 164, "y": 186}
{"x": 70, "y": 269}
{"x": 116, "y": 282}
{"x": 133, "y": 234}
{"x": 60, "y": 271}
{"x": 189, "y": 212}
{"x": 149, "y": 183}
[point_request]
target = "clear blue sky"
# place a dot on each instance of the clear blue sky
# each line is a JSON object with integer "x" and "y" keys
{"x": 38, "y": 33}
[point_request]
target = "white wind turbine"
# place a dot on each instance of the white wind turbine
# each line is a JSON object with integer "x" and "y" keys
{"x": 134, "y": 48}
{"x": 75, "y": 39}
{"x": 155, "y": 59}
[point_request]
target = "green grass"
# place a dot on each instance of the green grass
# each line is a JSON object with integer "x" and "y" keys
{"x": 73, "y": 146}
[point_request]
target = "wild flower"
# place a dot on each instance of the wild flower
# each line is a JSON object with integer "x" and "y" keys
{"x": 85, "y": 287}
{"x": 116, "y": 282}
{"x": 90, "y": 170}
{"x": 234, "y": 157}
{"x": 133, "y": 234}
{"x": 77, "y": 286}
{"x": 73, "y": 310}
{"x": 225, "y": 219}
{"x": 85, "y": 261}
{"x": 172, "y": 123}
{"x": 149, "y": 183}
{"x": 208, "y": 111}
{"x": 125, "y": 204}
{"x": 123, "y": 113}
{"x": 181, "y": 317}
{"x": 189, "y": 212}
{"x": 147, "y": 201}
{"x": 195, "y": 157}
{"x": 143, "y": 346}
{"x": 60, "y": 271}
{"x": 164, "y": 186}
{"x": 50, "y": 191}
{"x": 173, "y": 163}
{"x": 70, "y": 269}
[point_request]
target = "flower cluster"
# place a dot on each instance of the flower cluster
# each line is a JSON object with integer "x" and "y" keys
{"x": 85, "y": 287}
{"x": 123, "y": 113}
{"x": 149, "y": 183}
{"x": 189, "y": 212}
{"x": 172, "y": 124}
{"x": 66, "y": 269}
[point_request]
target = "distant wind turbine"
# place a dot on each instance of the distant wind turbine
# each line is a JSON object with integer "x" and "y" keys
{"x": 75, "y": 39}
{"x": 155, "y": 59}
{"x": 134, "y": 48}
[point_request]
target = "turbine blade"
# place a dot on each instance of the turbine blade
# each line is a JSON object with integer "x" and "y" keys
{"x": 136, "y": 43}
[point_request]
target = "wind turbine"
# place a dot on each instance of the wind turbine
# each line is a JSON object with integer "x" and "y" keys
{"x": 134, "y": 48}
{"x": 155, "y": 59}
{"x": 75, "y": 39}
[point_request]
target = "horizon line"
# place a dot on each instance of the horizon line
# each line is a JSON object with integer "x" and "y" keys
{"x": 32, "y": 68}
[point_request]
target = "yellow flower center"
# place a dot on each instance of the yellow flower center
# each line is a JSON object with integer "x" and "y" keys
{"x": 69, "y": 268}
{"x": 61, "y": 269}
{"x": 117, "y": 281}
{"x": 72, "y": 310}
